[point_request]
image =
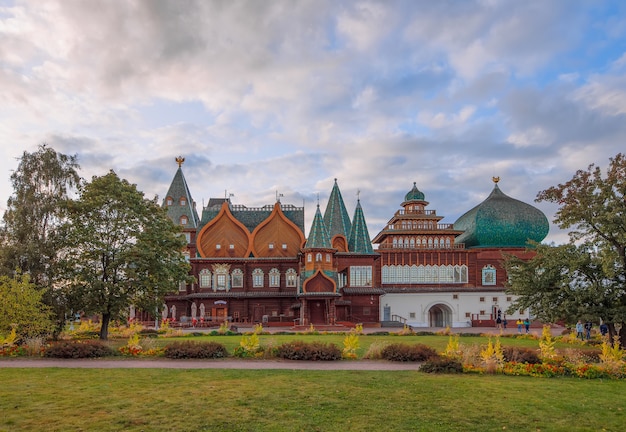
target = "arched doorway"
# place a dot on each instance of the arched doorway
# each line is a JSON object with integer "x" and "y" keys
{"x": 440, "y": 315}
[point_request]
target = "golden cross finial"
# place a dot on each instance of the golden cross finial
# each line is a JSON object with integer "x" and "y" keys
{"x": 180, "y": 160}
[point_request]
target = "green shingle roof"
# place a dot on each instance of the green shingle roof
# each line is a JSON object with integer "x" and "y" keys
{"x": 501, "y": 221}
{"x": 414, "y": 194}
{"x": 336, "y": 216}
{"x": 318, "y": 236}
{"x": 359, "y": 240}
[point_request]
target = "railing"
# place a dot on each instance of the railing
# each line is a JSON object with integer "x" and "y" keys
{"x": 398, "y": 318}
{"x": 417, "y": 212}
{"x": 399, "y": 227}
{"x": 454, "y": 246}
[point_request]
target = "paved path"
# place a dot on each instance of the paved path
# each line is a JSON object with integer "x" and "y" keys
{"x": 371, "y": 365}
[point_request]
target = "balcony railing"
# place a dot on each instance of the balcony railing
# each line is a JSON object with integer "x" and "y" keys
{"x": 453, "y": 246}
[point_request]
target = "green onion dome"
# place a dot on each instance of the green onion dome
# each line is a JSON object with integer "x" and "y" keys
{"x": 414, "y": 194}
{"x": 501, "y": 221}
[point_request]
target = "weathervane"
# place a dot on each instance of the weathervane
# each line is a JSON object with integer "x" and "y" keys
{"x": 495, "y": 179}
{"x": 180, "y": 160}
{"x": 278, "y": 195}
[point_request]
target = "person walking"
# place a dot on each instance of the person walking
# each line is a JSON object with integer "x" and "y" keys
{"x": 519, "y": 323}
{"x": 527, "y": 324}
{"x": 579, "y": 330}
{"x": 588, "y": 326}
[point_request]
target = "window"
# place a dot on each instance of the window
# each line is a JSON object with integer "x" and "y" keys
{"x": 361, "y": 276}
{"x": 231, "y": 246}
{"x": 367, "y": 310}
{"x": 309, "y": 257}
{"x": 318, "y": 257}
{"x": 412, "y": 315}
{"x": 495, "y": 299}
{"x": 467, "y": 315}
{"x": 183, "y": 220}
{"x": 274, "y": 278}
{"x": 218, "y": 246}
{"x": 482, "y": 299}
{"x": 188, "y": 237}
{"x": 169, "y": 201}
{"x": 292, "y": 278}
{"x": 257, "y": 278}
{"x": 237, "y": 277}
{"x": 509, "y": 299}
{"x": 270, "y": 246}
{"x": 182, "y": 286}
{"x": 489, "y": 275}
{"x": 284, "y": 246}
{"x": 455, "y": 296}
{"x": 220, "y": 281}
{"x": 327, "y": 258}
{"x": 482, "y": 312}
{"x": 183, "y": 201}
{"x": 205, "y": 278}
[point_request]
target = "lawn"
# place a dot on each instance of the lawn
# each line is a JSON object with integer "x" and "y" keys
{"x": 287, "y": 400}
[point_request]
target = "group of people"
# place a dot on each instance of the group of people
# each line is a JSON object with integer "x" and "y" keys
{"x": 523, "y": 323}
{"x": 583, "y": 331}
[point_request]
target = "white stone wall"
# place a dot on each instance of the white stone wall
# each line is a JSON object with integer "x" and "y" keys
{"x": 415, "y": 308}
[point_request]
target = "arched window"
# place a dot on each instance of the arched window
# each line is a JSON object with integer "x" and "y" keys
{"x": 183, "y": 201}
{"x": 205, "y": 278}
{"x": 257, "y": 278}
{"x": 237, "y": 278}
{"x": 274, "y": 277}
{"x": 292, "y": 278}
{"x": 318, "y": 257}
{"x": 183, "y": 220}
{"x": 309, "y": 257}
{"x": 169, "y": 201}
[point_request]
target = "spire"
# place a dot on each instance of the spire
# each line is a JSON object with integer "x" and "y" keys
{"x": 336, "y": 216}
{"x": 359, "y": 241}
{"x": 178, "y": 201}
{"x": 318, "y": 236}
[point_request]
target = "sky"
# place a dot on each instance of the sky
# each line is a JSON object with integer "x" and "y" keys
{"x": 282, "y": 97}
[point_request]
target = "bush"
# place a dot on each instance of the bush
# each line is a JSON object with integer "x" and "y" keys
{"x": 195, "y": 350}
{"x": 316, "y": 351}
{"x": 405, "y": 352}
{"x": 520, "y": 355}
{"x": 441, "y": 365}
{"x": 85, "y": 349}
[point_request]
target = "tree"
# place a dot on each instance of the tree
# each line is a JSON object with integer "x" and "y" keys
{"x": 21, "y": 307}
{"x": 30, "y": 239}
{"x": 123, "y": 251}
{"x": 593, "y": 266}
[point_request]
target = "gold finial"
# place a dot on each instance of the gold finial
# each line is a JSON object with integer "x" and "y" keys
{"x": 495, "y": 179}
{"x": 180, "y": 160}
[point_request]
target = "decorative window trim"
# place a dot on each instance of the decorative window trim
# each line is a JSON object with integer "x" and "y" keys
{"x": 489, "y": 275}
{"x": 257, "y": 278}
{"x": 291, "y": 278}
{"x": 237, "y": 278}
{"x": 274, "y": 276}
{"x": 204, "y": 278}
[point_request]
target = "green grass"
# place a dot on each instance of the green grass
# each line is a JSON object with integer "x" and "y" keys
{"x": 59, "y": 399}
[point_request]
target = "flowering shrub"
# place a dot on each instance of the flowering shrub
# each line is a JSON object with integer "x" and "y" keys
{"x": 453, "y": 349}
{"x": 546, "y": 345}
{"x": 132, "y": 347}
{"x": 195, "y": 350}
{"x": 405, "y": 352}
{"x": 12, "y": 351}
{"x": 78, "y": 349}
{"x": 299, "y": 350}
{"x": 441, "y": 365}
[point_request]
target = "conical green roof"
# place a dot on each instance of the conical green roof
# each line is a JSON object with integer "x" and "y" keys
{"x": 359, "y": 240}
{"x": 336, "y": 216}
{"x": 318, "y": 236}
{"x": 501, "y": 221}
{"x": 414, "y": 194}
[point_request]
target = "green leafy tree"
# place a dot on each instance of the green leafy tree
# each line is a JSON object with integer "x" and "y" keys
{"x": 30, "y": 236}
{"x": 586, "y": 278}
{"x": 22, "y": 308}
{"x": 124, "y": 250}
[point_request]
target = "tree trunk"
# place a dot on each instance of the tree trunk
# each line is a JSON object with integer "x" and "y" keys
{"x": 612, "y": 332}
{"x": 104, "y": 329}
{"x": 622, "y": 335}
